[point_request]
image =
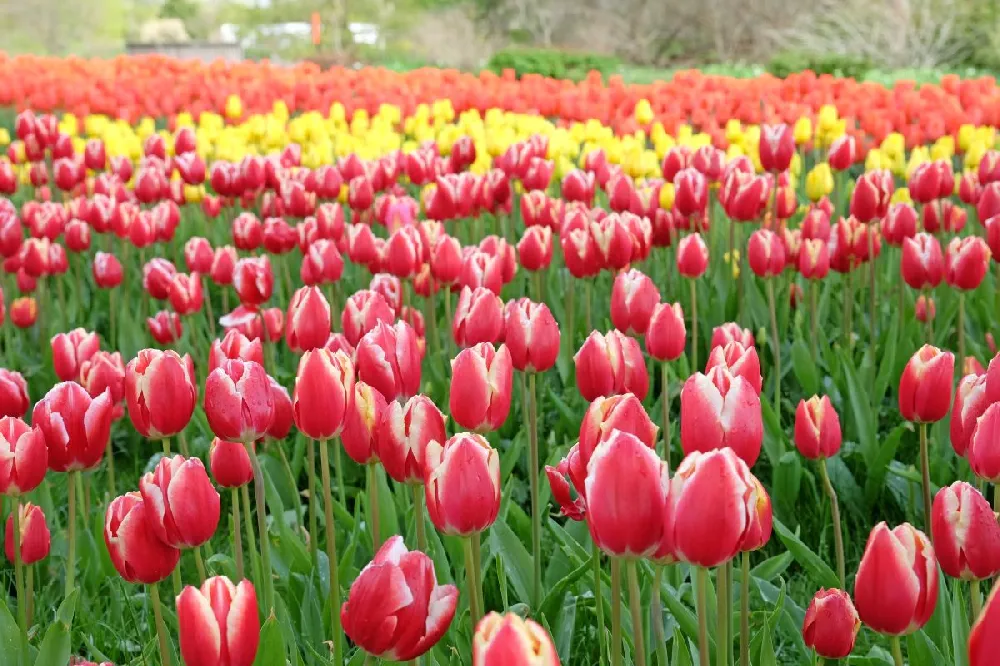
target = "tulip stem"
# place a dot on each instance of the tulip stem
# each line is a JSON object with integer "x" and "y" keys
{"x": 977, "y": 600}
{"x": 665, "y": 390}
{"x": 635, "y": 605}
{"x": 813, "y": 316}
{"x": 694, "y": 327}
{"x": 339, "y": 469}
{"x": 897, "y": 651}
{"x": 418, "y": 516}
{"x": 745, "y": 610}
{"x": 166, "y": 446}
{"x": 848, "y": 308}
{"x": 536, "y": 515}
{"x": 656, "y": 610}
{"x": 248, "y": 528}
{"x": 587, "y": 307}
{"x": 161, "y": 630}
{"x": 477, "y": 560}
{"x": 237, "y": 537}
{"x": 872, "y": 285}
{"x": 22, "y": 610}
{"x": 599, "y": 598}
{"x": 29, "y": 602}
{"x": 961, "y": 330}
{"x": 723, "y": 618}
{"x": 838, "y": 534}
{"x": 616, "y": 612}
{"x": 199, "y": 563}
{"x": 331, "y": 551}
{"x": 701, "y": 573}
{"x": 925, "y": 473}
{"x": 71, "y": 533}
{"x": 313, "y": 510}
{"x": 110, "y": 455}
{"x": 431, "y": 318}
{"x": 777, "y": 350}
{"x": 570, "y": 314}
{"x": 265, "y": 542}
{"x": 475, "y": 613}
{"x": 373, "y": 507}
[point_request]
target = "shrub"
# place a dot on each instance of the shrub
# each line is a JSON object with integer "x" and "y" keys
{"x": 788, "y": 62}
{"x": 552, "y": 63}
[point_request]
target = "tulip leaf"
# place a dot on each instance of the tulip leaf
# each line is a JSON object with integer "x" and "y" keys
{"x": 272, "y": 644}
{"x": 861, "y": 410}
{"x": 766, "y": 655}
{"x": 681, "y": 653}
{"x": 821, "y": 572}
{"x": 565, "y": 628}
{"x": 804, "y": 367}
{"x": 687, "y": 621}
{"x": 555, "y": 595}
{"x": 55, "y": 647}
{"x": 788, "y": 480}
{"x": 772, "y": 567}
{"x": 517, "y": 561}
{"x": 959, "y": 626}
{"x": 922, "y": 651}
{"x": 878, "y": 468}
{"x": 10, "y": 637}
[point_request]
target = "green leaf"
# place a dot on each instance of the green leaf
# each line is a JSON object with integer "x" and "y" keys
{"x": 879, "y": 467}
{"x": 272, "y": 644}
{"x": 55, "y": 647}
{"x": 821, "y": 572}
{"x": 923, "y": 651}
{"x": 681, "y": 654}
{"x": 766, "y": 657}
{"x": 686, "y": 619}
{"x": 10, "y": 637}
{"x": 959, "y": 626}
{"x": 516, "y": 559}
{"x": 772, "y": 567}
{"x": 861, "y": 410}
{"x": 804, "y": 367}
{"x": 565, "y": 628}
{"x": 554, "y": 596}
{"x": 788, "y": 480}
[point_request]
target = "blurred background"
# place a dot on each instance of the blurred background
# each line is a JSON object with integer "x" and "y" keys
{"x": 640, "y": 40}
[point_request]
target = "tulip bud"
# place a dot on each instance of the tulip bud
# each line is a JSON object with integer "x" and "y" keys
{"x": 13, "y": 394}
{"x": 136, "y": 553}
{"x": 966, "y": 262}
{"x": 739, "y": 361}
{"x": 234, "y": 345}
{"x": 925, "y": 386}
{"x": 965, "y": 533}
{"x": 253, "y": 280}
{"x": 817, "y": 428}
{"x": 230, "y": 463}
{"x": 182, "y": 506}
{"x": 76, "y": 426}
{"x": 34, "y": 535}
{"x": 609, "y": 365}
{"x": 690, "y": 192}
{"x": 692, "y": 256}
{"x": 623, "y": 413}
{"x": 535, "y": 248}
{"x": 24, "y": 459}
{"x": 896, "y": 587}
{"x": 831, "y": 624}
{"x": 713, "y": 497}
{"x": 922, "y": 264}
{"x": 633, "y": 298}
{"x": 388, "y": 358}
{"x": 666, "y": 335}
{"x": 360, "y": 435}
{"x": 481, "y": 387}
{"x": 985, "y": 632}
{"x": 70, "y": 350}
{"x": 455, "y": 506}
{"x": 308, "y": 320}
{"x": 160, "y": 392}
{"x": 776, "y": 148}
{"x": 983, "y": 451}
{"x": 238, "y": 402}
{"x": 396, "y": 610}
{"x": 218, "y": 624}
{"x": 872, "y": 194}
{"x": 165, "y": 327}
{"x": 509, "y": 640}
{"x": 107, "y": 270}
{"x": 23, "y": 312}
{"x": 766, "y": 253}
{"x": 718, "y": 411}
{"x": 478, "y": 317}
{"x": 531, "y": 334}
{"x": 324, "y": 388}
{"x": 970, "y": 403}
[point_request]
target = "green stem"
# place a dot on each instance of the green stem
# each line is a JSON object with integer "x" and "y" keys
{"x": 373, "y": 507}
{"x": 313, "y": 509}
{"x": 897, "y": 651}
{"x": 961, "y": 331}
{"x": 925, "y": 473}
{"x": 616, "y": 612}
{"x": 665, "y": 391}
{"x": 477, "y": 559}
{"x": 722, "y": 617}
{"x": 635, "y": 605}
{"x": 588, "y": 306}
{"x": 701, "y": 575}
{"x": 475, "y": 612}
{"x": 30, "y": 601}
{"x": 110, "y": 455}
{"x": 599, "y": 595}
{"x": 71, "y": 533}
{"x": 199, "y": 563}
{"x": 265, "y": 542}
{"x": 331, "y": 551}
{"x": 977, "y": 600}
{"x": 536, "y": 513}
{"x": 237, "y": 537}
{"x": 777, "y": 349}
{"x": 251, "y": 541}
{"x": 418, "y": 515}
{"x": 430, "y": 309}
{"x": 838, "y": 533}
{"x": 161, "y": 629}
{"x": 745, "y": 611}
{"x": 656, "y": 609}
{"x": 339, "y": 469}
{"x": 813, "y": 315}
{"x": 570, "y": 315}
{"x": 694, "y": 327}
{"x": 165, "y": 442}
{"x": 22, "y": 610}
{"x": 872, "y": 286}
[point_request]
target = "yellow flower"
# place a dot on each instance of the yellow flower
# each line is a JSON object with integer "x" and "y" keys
{"x": 194, "y": 193}
{"x": 819, "y": 181}
{"x": 234, "y": 107}
{"x": 4, "y": 137}
{"x": 901, "y": 195}
{"x": 920, "y": 155}
{"x": 876, "y": 160}
{"x": 643, "y": 112}
{"x": 974, "y": 154}
{"x": 943, "y": 148}
{"x": 803, "y": 130}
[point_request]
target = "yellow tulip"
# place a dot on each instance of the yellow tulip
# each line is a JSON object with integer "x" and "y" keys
{"x": 920, "y": 155}
{"x": 901, "y": 195}
{"x": 876, "y": 160}
{"x": 667, "y": 196}
{"x": 943, "y": 148}
{"x": 194, "y": 193}
{"x": 643, "y": 112}
{"x": 734, "y": 131}
{"x": 827, "y": 117}
{"x": 974, "y": 154}
{"x": 234, "y": 107}
{"x": 803, "y": 130}
{"x": 819, "y": 181}
{"x": 5, "y": 137}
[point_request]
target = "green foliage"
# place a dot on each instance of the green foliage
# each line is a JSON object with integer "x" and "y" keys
{"x": 556, "y": 64}
{"x": 789, "y": 62}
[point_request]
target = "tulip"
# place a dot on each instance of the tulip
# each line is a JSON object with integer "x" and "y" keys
{"x": 531, "y": 334}
{"x": 324, "y": 388}
{"x": 107, "y": 270}
{"x": 690, "y": 192}
{"x": 766, "y": 253}
{"x": 238, "y": 402}
{"x": 739, "y": 361}
{"x": 14, "y": 399}
{"x": 396, "y": 610}
{"x": 198, "y": 255}
{"x": 966, "y": 260}
{"x": 253, "y": 280}
{"x": 983, "y": 644}
{"x": 34, "y": 537}
{"x": 70, "y": 350}
{"x": 160, "y": 392}
{"x": 924, "y": 309}
{"x": 165, "y": 327}
{"x": 281, "y": 421}
{"x": 457, "y": 507}
{"x": 157, "y": 274}
{"x": 831, "y": 624}
{"x": 605, "y": 416}
{"x": 234, "y": 345}
{"x": 229, "y": 463}
{"x": 896, "y": 587}
{"x": 534, "y": 250}
{"x": 666, "y": 335}
{"x": 308, "y": 320}
{"x": 388, "y": 359}
{"x": 608, "y": 365}
{"x": 509, "y": 640}
{"x": 819, "y": 182}
{"x": 871, "y": 196}
{"x": 713, "y": 497}
{"x": 478, "y": 317}
{"x": 183, "y": 505}
{"x": 76, "y": 426}
{"x": 971, "y": 400}
{"x": 360, "y": 434}
{"x": 922, "y": 265}
{"x": 362, "y": 311}
{"x": 481, "y": 387}
{"x": 983, "y": 453}
{"x": 692, "y": 256}
{"x": 965, "y": 533}
{"x": 218, "y": 625}
{"x": 23, "y": 456}
{"x": 23, "y": 312}
{"x": 776, "y": 148}
{"x": 744, "y": 196}
{"x": 817, "y": 428}
{"x": 925, "y": 385}
{"x": 633, "y": 298}
{"x": 321, "y": 263}
{"x": 900, "y": 223}
{"x": 943, "y": 215}
{"x": 719, "y": 410}
{"x": 136, "y": 552}
{"x": 404, "y": 432}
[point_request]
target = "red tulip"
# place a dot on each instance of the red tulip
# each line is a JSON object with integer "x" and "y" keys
{"x": 573, "y": 468}
{"x": 983, "y": 637}
{"x": 692, "y": 256}
{"x": 610, "y": 364}
{"x": 677, "y": 158}
{"x": 24, "y": 458}
{"x": 481, "y": 387}
{"x": 925, "y": 386}
{"x": 446, "y": 259}
{"x": 509, "y": 640}
{"x": 924, "y": 182}
{"x": 198, "y": 255}
{"x": 253, "y": 280}
{"x": 230, "y": 463}
{"x": 739, "y": 361}
{"x": 872, "y": 193}
{"x": 633, "y": 298}
{"x": 814, "y": 259}
{"x": 238, "y": 402}
{"x": 817, "y": 428}
{"x": 234, "y": 345}
{"x": 13, "y": 394}
{"x": 983, "y": 452}
{"x": 77, "y": 236}
{"x": 309, "y": 320}
{"x": 966, "y": 261}
{"x": 107, "y": 270}
{"x": 396, "y": 610}
{"x": 666, "y": 335}
{"x": 223, "y": 265}
{"x": 457, "y": 507}
{"x": 970, "y": 403}
{"x": 281, "y": 421}
{"x": 34, "y": 535}
{"x": 896, "y": 587}
{"x": 404, "y": 252}
{"x": 157, "y": 274}
{"x": 360, "y": 434}
{"x": 531, "y": 334}
{"x": 182, "y": 506}
{"x": 70, "y": 350}
{"x": 136, "y": 552}
{"x": 324, "y": 388}
{"x": 478, "y": 317}
{"x": 777, "y": 147}
{"x": 900, "y": 223}
{"x": 535, "y": 248}
{"x": 843, "y": 152}
{"x": 218, "y": 625}
{"x": 744, "y": 196}
{"x": 404, "y": 432}
{"x": 922, "y": 264}
{"x": 831, "y": 624}
{"x": 390, "y": 288}
{"x": 388, "y": 359}
{"x": 719, "y": 410}
{"x": 690, "y": 192}
{"x": 766, "y": 253}
{"x": 607, "y": 415}
{"x": 965, "y": 533}
{"x": 23, "y": 312}
{"x": 160, "y": 392}
{"x": 76, "y": 426}
{"x": 943, "y": 215}
{"x": 362, "y": 311}
{"x": 713, "y": 502}
{"x": 578, "y": 185}
{"x": 165, "y": 327}
{"x": 248, "y": 232}
{"x": 185, "y": 293}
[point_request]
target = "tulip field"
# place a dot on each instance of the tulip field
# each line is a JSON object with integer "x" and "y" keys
{"x": 308, "y": 367}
